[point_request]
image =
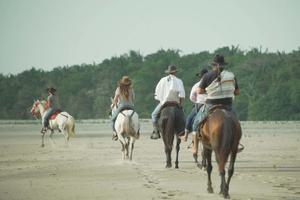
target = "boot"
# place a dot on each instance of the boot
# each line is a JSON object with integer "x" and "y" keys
{"x": 155, "y": 134}
{"x": 44, "y": 129}
{"x": 115, "y": 136}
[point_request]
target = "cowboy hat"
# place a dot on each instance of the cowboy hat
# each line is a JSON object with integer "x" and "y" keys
{"x": 125, "y": 80}
{"x": 52, "y": 90}
{"x": 219, "y": 60}
{"x": 171, "y": 69}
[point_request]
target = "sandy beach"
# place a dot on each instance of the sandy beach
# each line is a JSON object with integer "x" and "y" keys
{"x": 91, "y": 166}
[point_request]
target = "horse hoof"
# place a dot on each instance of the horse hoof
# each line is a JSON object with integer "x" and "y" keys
{"x": 226, "y": 196}
{"x": 155, "y": 136}
{"x": 42, "y": 145}
{"x": 168, "y": 165}
{"x": 199, "y": 166}
{"x": 210, "y": 190}
{"x": 176, "y": 167}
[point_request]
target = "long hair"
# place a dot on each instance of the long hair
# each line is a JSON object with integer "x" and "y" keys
{"x": 124, "y": 90}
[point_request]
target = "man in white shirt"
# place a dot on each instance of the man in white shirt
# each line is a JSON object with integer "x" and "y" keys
{"x": 169, "y": 89}
{"x": 198, "y": 100}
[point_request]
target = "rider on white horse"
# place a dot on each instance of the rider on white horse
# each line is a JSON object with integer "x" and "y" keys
{"x": 124, "y": 97}
{"x": 51, "y": 107}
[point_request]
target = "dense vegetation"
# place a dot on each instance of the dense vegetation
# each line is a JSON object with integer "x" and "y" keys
{"x": 269, "y": 82}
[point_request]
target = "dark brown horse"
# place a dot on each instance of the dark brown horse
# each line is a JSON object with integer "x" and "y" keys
{"x": 171, "y": 123}
{"x": 221, "y": 133}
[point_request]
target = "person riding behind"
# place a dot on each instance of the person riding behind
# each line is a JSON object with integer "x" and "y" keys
{"x": 221, "y": 86}
{"x": 169, "y": 89}
{"x": 50, "y": 107}
{"x": 124, "y": 98}
{"x": 198, "y": 100}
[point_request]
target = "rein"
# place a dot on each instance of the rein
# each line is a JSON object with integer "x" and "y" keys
{"x": 127, "y": 115}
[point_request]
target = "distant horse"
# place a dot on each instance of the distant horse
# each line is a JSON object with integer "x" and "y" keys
{"x": 127, "y": 127}
{"x": 221, "y": 133}
{"x": 171, "y": 123}
{"x": 62, "y": 121}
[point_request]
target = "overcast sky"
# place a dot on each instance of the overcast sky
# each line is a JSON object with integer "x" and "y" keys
{"x": 50, "y": 33}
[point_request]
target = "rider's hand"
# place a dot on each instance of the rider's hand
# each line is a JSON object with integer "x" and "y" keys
{"x": 112, "y": 106}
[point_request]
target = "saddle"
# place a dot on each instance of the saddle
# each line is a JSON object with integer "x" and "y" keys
{"x": 54, "y": 115}
{"x": 169, "y": 104}
{"x": 212, "y": 110}
{"x": 126, "y": 108}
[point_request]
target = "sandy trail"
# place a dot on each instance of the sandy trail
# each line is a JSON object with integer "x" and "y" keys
{"x": 91, "y": 167}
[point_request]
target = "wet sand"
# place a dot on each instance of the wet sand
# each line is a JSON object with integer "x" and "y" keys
{"x": 91, "y": 166}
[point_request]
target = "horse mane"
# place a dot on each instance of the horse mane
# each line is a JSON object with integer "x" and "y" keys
{"x": 43, "y": 102}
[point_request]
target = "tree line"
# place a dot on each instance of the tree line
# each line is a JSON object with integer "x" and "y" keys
{"x": 269, "y": 83}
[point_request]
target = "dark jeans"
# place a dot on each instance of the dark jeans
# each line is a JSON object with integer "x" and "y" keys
{"x": 47, "y": 116}
{"x": 203, "y": 112}
{"x": 190, "y": 118}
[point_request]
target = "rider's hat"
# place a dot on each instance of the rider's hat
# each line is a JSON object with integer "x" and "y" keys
{"x": 125, "y": 81}
{"x": 219, "y": 59}
{"x": 171, "y": 69}
{"x": 52, "y": 90}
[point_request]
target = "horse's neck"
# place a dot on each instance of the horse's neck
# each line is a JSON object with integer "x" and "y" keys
{"x": 41, "y": 109}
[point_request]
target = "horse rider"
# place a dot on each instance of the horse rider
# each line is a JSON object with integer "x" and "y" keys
{"x": 221, "y": 86}
{"x": 50, "y": 107}
{"x": 169, "y": 88}
{"x": 124, "y": 98}
{"x": 198, "y": 100}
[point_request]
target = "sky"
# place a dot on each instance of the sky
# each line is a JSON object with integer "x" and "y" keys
{"x": 49, "y": 33}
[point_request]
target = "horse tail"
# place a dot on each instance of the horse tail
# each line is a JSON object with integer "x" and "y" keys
{"x": 71, "y": 126}
{"x": 167, "y": 134}
{"x": 228, "y": 138}
{"x": 128, "y": 126}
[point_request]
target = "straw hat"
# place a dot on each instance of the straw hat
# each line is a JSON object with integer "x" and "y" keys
{"x": 125, "y": 81}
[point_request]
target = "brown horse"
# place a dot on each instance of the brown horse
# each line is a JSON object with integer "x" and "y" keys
{"x": 221, "y": 133}
{"x": 171, "y": 123}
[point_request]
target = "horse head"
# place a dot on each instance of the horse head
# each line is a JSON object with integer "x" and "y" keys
{"x": 35, "y": 111}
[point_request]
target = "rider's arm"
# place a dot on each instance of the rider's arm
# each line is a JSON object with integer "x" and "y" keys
{"x": 237, "y": 89}
{"x": 48, "y": 104}
{"x": 116, "y": 98}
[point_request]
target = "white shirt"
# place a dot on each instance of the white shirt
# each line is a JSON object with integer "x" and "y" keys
{"x": 169, "y": 88}
{"x": 195, "y": 97}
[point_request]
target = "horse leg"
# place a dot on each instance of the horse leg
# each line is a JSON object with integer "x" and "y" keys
{"x": 131, "y": 148}
{"x": 51, "y": 137}
{"x": 221, "y": 163}
{"x": 168, "y": 157}
{"x": 43, "y": 135}
{"x": 123, "y": 149}
{"x": 230, "y": 172}
{"x": 127, "y": 150}
{"x": 207, "y": 156}
{"x": 195, "y": 148}
{"x": 177, "y": 152}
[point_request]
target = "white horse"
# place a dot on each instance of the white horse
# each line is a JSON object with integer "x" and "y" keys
{"x": 63, "y": 122}
{"x": 127, "y": 127}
